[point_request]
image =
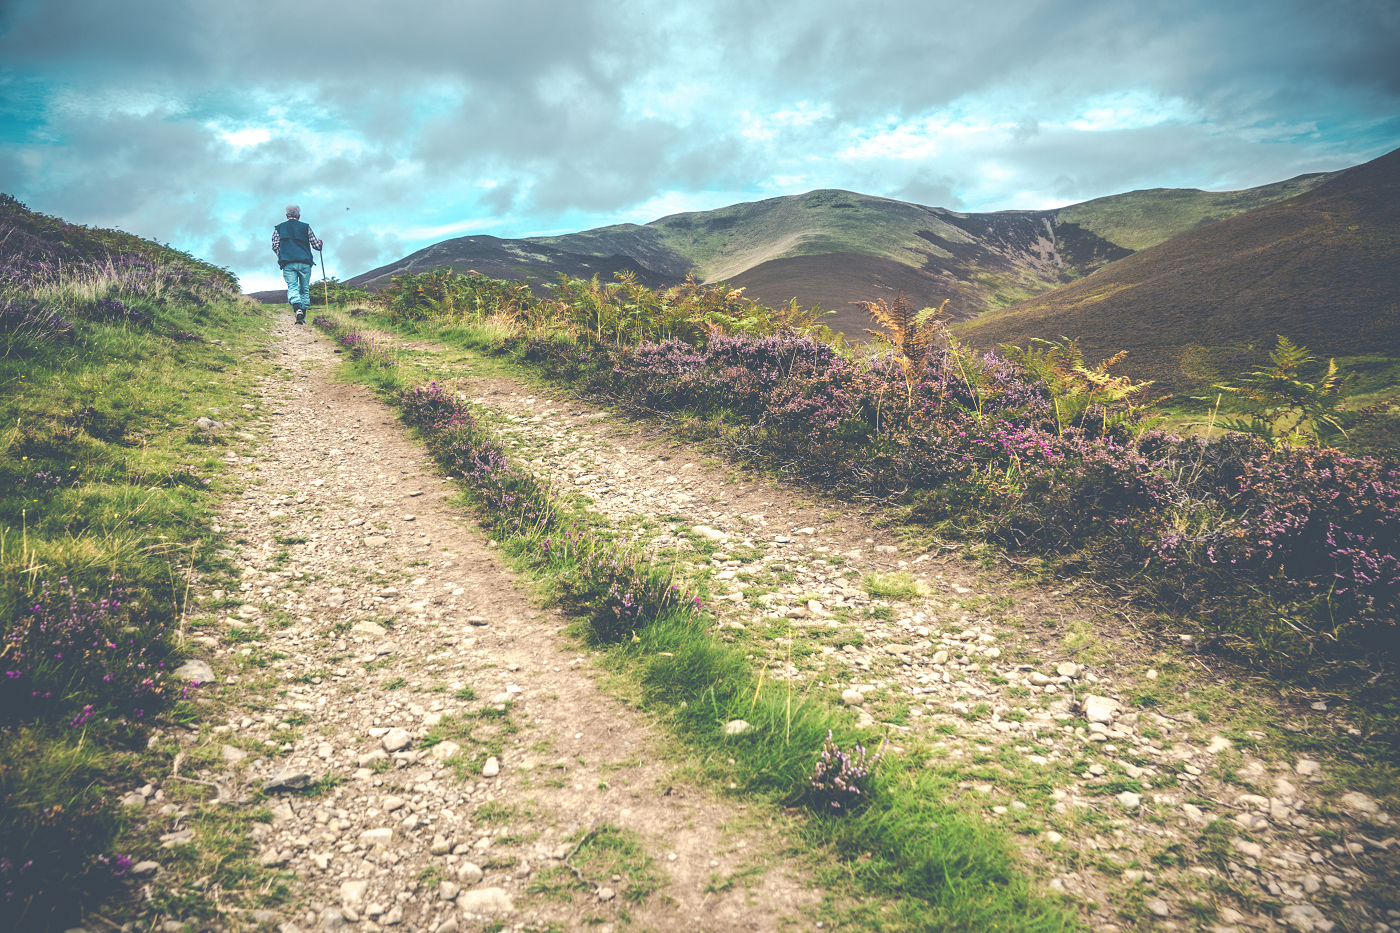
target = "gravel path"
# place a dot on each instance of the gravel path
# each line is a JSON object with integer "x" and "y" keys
{"x": 380, "y": 608}
{"x": 390, "y": 607}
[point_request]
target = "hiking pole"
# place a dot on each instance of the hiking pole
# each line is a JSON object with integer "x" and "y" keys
{"x": 325, "y": 289}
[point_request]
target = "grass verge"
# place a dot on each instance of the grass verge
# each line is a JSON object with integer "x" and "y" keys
{"x": 117, "y": 428}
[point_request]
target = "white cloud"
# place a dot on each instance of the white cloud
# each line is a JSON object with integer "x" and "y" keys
{"x": 251, "y": 136}
{"x": 1130, "y": 110}
{"x": 196, "y": 130}
{"x": 441, "y": 231}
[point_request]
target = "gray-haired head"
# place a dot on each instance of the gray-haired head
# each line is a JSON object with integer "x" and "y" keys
{"x": 293, "y": 212}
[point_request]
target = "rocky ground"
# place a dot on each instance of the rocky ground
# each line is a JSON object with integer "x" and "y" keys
{"x": 477, "y": 772}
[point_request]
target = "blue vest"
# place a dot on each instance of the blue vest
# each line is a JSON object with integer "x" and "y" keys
{"x": 294, "y": 242}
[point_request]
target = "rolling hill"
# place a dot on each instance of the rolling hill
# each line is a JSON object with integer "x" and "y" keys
{"x": 831, "y": 247}
{"x": 1322, "y": 268}
{"x": 512, "y": 259}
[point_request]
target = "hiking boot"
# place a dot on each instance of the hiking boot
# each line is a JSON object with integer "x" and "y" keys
{"x": 301, "y": 316}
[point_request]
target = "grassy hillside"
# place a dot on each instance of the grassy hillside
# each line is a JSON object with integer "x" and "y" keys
{"x": 1139, "y": 219}
{"x": 722, "y": 243}
{"x": 1322, "y": 268}
{"x": 980, "y": 262}
{"x": 28, "y": 237}
{"x": 508, "y": 259}
{"x": 111, "y": 350}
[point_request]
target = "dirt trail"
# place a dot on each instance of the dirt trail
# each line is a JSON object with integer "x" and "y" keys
{"x": 396, "y": 604}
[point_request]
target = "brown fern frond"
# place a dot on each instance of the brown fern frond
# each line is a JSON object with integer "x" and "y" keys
{"x": 909, "y": 334}
{"x": 1105, "y": 365}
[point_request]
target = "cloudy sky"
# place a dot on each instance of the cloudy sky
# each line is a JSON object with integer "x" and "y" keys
{"x": 397, "y": 124}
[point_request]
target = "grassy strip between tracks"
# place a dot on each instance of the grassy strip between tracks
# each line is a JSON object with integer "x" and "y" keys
{"x": 905, "y": 855}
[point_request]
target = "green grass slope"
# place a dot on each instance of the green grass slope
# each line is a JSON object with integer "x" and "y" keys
{"x": 1139, "y": 219}
{"x": 112, "y": 349}
{"x": 722, "y": 243}
{"x": 41, "y": 238}
{"x": 980, "y": 261}
{"x": 1322, "y": 268}
{"x": 508, "y": 259}
{"x": 772, "y": 248}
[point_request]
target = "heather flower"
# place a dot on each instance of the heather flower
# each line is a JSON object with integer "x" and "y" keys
{"x": 842, "y": 780}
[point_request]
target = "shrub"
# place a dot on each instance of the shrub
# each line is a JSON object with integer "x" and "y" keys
{"x": 32, "y": 320}
{"x": 842, "y": 781}
{"x": 113, "y": 309}
{"x": 83, "y": 662}
{"x": 611, "y": 585}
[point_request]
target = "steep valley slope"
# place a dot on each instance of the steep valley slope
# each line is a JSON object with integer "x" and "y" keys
{"x": 1322, "y": 268}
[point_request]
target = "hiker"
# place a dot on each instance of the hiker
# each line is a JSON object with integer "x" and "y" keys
{"x": 293, "y": 242}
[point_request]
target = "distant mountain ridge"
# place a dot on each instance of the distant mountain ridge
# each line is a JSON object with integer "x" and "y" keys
{"x": 831, "y": 247}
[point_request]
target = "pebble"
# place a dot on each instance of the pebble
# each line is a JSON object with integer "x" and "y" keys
{"x": 1304, "y": 918}
{"x": 606, "y": 894}
{"x": 1360, "y": 803}
{"x": 485, "y": 901}
{"x": 491, "y": 768}
{"x": 852, "y": 697}
{"x": 396, "y": 739}
{"x": 288, "y": 780}
{"x": 736, "y": 727}
{"x": 377, "y": 837}
{"x": 444, "y": 750}
{"x": 196, "y": 671}
{"x": 1252, "y": 849}
{"x": 1100, "y": 709}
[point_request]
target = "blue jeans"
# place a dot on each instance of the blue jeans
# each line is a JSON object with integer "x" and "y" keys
{"x": 298, "y": 278}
